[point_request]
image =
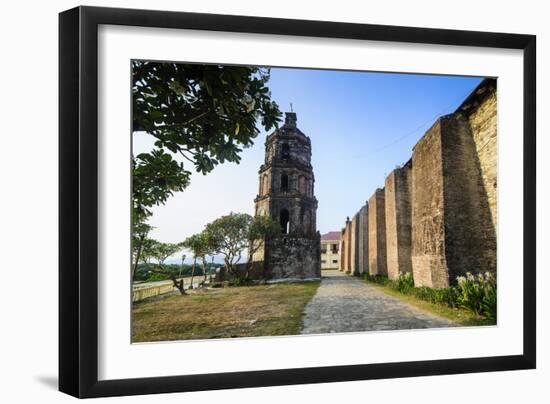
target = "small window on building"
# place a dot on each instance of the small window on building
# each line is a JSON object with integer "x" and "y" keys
{"x": 302, "y": 184}
{"x": 265, "y": 187}
{"x": 284, "y": 221}
{"x": 285, "y": 151}
{"x": 323, "y": 262}
{"x": 335, "y": 261}
{"x": 284, "y": 182}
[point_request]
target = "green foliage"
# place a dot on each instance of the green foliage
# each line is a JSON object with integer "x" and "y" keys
{"x": 140, "y": 230}
{"x": 475, "y": 293}
{"x": 228, "y": 236}
{"x": 156, "y": 176}
{"x": 149, "y": 272}
{"x": 205, "y": 113}
{"x": 156, "y": 276}
{"x": 446, "y": 296}
{"x": 405, "y": 283}
{"x": 261, "y": 228}
{"x": 162, "y": 251}
{"x": 199, "y": 244}
{"x": 478, "y": 293}
{"x": 379, "y": 279}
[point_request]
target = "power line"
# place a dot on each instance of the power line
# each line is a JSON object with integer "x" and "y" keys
{"x": 422, "y": 125}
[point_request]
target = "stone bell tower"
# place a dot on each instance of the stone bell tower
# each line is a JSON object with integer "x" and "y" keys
{"x": 287, "y": 194}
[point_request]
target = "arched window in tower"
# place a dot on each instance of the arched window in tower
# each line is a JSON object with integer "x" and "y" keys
{"x": 285, "y": 151}
{"x": 284, "y": 221}
{"x": 306, "y": 222}
{"x": 284, "y": 182}
{"x": 302, "y": 185}
{"x": 265, "y": 188}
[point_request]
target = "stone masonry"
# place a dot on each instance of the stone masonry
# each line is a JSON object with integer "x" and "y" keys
{"x": 428, "y": 252}
{"x": 453, "y": 230}
{"x": 437, "y": 215}
{"x": 398, "y": 188}
{"x": 377, "y": 234}
{"x": 363, "y": 241}
{"x": 286, "y": 193}
{"x": 354, "y": 245}
{"x": 481, "y": 112}
{"x": 345, "y": 248}
{"x": 343, "y": 245}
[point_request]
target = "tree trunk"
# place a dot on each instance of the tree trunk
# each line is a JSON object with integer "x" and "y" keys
{"x": 193, "y": 272}
{"x": 228, "y": 267}
{"x": 138, "y": 256}
{"x": 204, "y": 269}
{"x": 180, "y": 285}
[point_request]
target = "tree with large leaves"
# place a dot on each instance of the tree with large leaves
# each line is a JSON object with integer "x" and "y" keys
{"x": 206, "y": 114}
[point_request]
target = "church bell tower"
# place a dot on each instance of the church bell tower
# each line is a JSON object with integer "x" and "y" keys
{"x": 286, "y": 193}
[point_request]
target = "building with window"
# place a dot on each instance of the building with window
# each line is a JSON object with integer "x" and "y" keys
{"x": 330, "y": 250}
{"x": 286, "y": 193}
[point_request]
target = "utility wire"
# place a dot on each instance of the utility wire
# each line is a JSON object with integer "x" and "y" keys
{"x": 432, "y": 119}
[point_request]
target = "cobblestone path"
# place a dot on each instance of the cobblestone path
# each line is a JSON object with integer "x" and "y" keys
{"x": 344, "y": 303}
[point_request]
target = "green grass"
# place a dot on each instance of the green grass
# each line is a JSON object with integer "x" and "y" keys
{"x": 458, "y": 315}
{"x": 246, "y": 311}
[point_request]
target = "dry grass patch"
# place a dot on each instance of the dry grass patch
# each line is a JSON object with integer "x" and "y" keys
{"x": 247, "y": 311}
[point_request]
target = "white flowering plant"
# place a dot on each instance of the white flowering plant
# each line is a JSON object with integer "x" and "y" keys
{"x": 478, "y": 293}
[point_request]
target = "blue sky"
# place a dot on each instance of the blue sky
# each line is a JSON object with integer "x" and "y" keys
{"x": 361, "y": 124}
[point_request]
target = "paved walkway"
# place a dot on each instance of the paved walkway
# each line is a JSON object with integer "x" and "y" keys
{"x": 344, "y": 303}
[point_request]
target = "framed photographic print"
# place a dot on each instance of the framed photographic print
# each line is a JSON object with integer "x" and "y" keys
{"x": 251, "y": 201}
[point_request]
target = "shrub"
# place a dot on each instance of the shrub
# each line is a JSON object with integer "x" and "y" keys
{"x": 404, "y": 284}
{"x": 380, "y": 279}
{"x": 475, "y": 293}
{"x": 478, "y": 293}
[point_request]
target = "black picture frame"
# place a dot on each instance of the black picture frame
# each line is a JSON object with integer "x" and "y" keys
{"x": 78, "y": 201}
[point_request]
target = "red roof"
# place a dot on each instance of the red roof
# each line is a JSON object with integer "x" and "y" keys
{"x": 331, "y": 236}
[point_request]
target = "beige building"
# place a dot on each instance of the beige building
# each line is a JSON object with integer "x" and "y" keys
{"x": 330, "y": 250}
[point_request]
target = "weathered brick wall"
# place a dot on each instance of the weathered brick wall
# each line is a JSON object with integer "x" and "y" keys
{"x": 398, "y": 221}
{"x": 363, "y": 243}
{"x": 256, "y": 271}
{"x": 428, "y": 231}
{"x": 452, "y": 230}
{"x": 289, "y": 257}
{"x": 354, "y": 245}
{"x": 470, "y": 242}
{"x": 342, "y": 249}
{"x": 348, "y": 246}
{"x": 438, "y": 214}
{"x": 483, "y": 124}
{"x": 345, "y": 247}
{"x": 377, "y": 234}
{"x": 286, "y": 193}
